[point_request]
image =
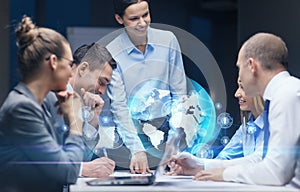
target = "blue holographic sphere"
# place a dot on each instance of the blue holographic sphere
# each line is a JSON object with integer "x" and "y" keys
{"x": 194, "y": 113}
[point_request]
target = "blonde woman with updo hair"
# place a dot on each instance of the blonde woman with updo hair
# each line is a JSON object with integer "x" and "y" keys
{"x": 30, "y": 158}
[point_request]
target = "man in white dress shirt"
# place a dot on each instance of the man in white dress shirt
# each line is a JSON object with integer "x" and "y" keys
{"x": 92, "y": 71}
{"x": 262, "y": 63}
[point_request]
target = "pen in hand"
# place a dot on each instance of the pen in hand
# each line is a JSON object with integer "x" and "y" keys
{"x": 104, "y": 152}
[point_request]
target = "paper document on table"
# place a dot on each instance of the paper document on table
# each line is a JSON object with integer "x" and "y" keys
{"x": 126, "y": 174}
{"x": 166, "y": 178}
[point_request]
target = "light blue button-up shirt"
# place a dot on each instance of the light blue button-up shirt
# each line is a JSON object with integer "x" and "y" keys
{"x": 160, "y": 67}
{"x": 245, "y": 141}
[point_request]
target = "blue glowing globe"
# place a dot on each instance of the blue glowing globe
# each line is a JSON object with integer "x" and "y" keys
{"x": 198, "y": 118}
{"x": 194, "y": 113}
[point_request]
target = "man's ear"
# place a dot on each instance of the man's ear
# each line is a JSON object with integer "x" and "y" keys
{"x": 83, "y": 68}
{"x": 252, "y": 64}
{"x": 119, "y": 19}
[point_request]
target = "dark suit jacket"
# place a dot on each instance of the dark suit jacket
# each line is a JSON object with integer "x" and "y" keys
{"x": 61, "y": 129}
{"x": 30, "y": 157}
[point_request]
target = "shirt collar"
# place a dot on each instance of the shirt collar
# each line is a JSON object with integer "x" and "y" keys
{"x": 150, "y": 38}
{"x": 70, "y": 88}
{"x": 274, "y": 84}
{"x": 258, "y": 122}
{"x": 130, "y": 47}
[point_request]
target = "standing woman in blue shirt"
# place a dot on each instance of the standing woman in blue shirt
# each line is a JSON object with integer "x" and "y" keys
{"x": 149, "y": 61}
{"x": 30, "y": 157}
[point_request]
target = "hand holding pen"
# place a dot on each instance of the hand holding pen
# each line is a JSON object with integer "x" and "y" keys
{"x": 104, "y": 152}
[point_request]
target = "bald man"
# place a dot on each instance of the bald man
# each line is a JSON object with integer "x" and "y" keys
{"x": 262, "y": 63}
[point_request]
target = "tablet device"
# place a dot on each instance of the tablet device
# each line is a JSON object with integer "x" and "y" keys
{"x": 124, "y": 180}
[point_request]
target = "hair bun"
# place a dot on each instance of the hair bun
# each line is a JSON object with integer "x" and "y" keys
{"x": 26, "y": 32}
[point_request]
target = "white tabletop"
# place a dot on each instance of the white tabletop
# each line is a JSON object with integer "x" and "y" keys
{"x": 166, "y": 183}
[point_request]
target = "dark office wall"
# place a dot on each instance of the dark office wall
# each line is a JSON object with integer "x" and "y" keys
{"x": 56, "y": 14}
{"x": 216, "y": 27}
{"x": 280, "y": 17}
{"x": 169, "y": 12}
{"x": 18, "y": 8}
{"x": 4, "y": 49}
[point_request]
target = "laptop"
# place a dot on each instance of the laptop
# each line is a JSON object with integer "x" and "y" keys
{"x": 135, "y": 179}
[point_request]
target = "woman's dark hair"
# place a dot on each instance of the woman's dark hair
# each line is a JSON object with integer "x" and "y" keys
{"x": 121, "y": 5}
{"x": 34, "y": 43}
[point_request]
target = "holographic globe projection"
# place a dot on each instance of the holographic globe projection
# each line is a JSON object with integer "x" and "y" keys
{"x": 197, "y": 116}
{"x": 225, "y": 140}
{"x": 204, "y": 151}
{"x": 194, "y": 113}
{"x": 151, "y": 100}
{"x": 87, "y": 114}
{"x": 218, "y": 106}
{"x": 251, "y": 128}
{"x": 224, "y": 120}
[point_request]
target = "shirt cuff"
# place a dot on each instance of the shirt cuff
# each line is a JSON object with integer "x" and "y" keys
{"x": 212, "y": 163}
{"x": 135, "y": 149}
{"x": 89, "y": 132}
{"x": 80, "y": 170}
{"x": 230, "y": 173}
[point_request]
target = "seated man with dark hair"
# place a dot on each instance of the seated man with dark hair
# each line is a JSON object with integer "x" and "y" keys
{"x": 92, "y": 71}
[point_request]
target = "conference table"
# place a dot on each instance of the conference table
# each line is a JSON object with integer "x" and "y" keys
{"x": 178, "y": 183}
